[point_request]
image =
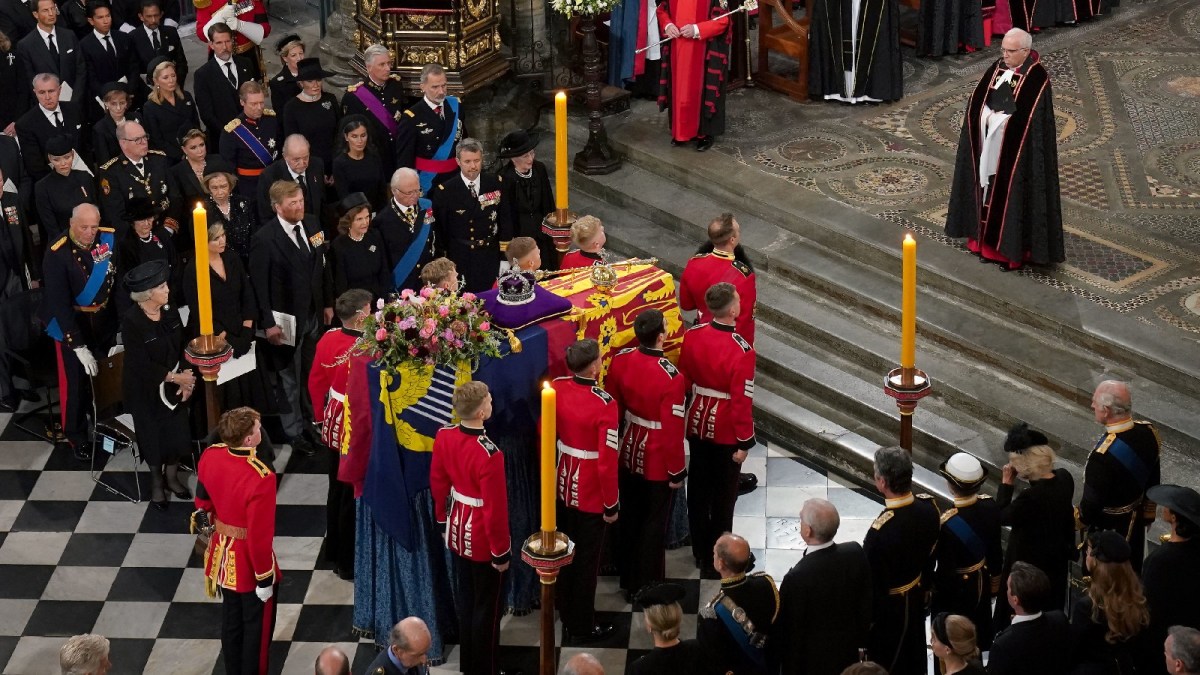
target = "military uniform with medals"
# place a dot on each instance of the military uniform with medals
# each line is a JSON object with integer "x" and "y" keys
{"x": 732, "y": 628}
{"x": 969, "y": 561}
{"x": 713, "y": 267}
{"x": 472, "y": 230}
{"x": 399, "y": 227}
{"x": 382, "y": 133}
{"x": 423, "y": 130}
{"x": 121, "y": 181}
{"x": 247, "y": 163}
{"x": 1123, "y": 465}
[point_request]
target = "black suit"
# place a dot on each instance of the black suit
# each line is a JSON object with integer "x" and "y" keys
{"x": 293, "y": 281}
{"x": 470, "y": 229}
{"x": 314, "y": 188}
{"x": 1038, "y": 647}
{"x": 169, "y": 45}
{"x": 16, "y": 19}
{"x": 34, "y": 57}
{"x": 34, "y": 129}
{"x": 103, "y": 67}
{"x": 216, "y": 97}
{"x": 824, "y": 611}
{"x": 14, "y": 170}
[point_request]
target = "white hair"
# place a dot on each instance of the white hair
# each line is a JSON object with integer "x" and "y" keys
{"x": 83, "y": 654}
{"x": 374, "y": 52}
{"x": 400, "y": 174}
{"x": 1024, "y": 39}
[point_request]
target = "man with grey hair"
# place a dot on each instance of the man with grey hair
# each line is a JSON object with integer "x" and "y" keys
{"x": 296, "y": 164}
{"x": 332, "y": 661}
{"x": 50, "y": 117}
{"x": 1008, "y": 157}
{"x": 407, "y": 647}
{"x": 1182, "y": 651}
{"x": 430, "y": 129}
{"x": 825, "y": 599}
{"x": 380, "y": 99}
{"x": 734, "y": 626}
{"x": 408, "y": 229}
{"x": 1123, "y": 464}
{"x": 137, "y": 172}
{"x": 85, "y": 654}
{"x": 899, "y": 547}
{"x": 582, "y": 664}
{"x": 473, "y": 226}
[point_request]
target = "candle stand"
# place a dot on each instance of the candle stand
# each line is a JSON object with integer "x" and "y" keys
{"x": 547, "y": 553}
{"x": 597, "y": 157}
{"x": 557, "y": 226}
{"x": 207, "y": 353}
{"x": 908, "y": 386}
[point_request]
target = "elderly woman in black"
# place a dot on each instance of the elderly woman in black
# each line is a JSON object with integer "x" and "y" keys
{"x": 232, "y": 210}
{"x": 156, "y": 382}
{"x": 525, "y": 184}
{"x": 114, "y": 98}
{"x": 359, "y": 256}
{"x": 312, "y": 112}
{"x": 169, "y": 109}
{"x": 58, "y": 193}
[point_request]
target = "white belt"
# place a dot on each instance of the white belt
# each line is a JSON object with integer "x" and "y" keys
{"x": 641, "y": 422}
{"x": 705, "y": 391}
{"x": 465, "y": 500}
{"x": 576, "y": 452}
{"x": 337, "y": 396}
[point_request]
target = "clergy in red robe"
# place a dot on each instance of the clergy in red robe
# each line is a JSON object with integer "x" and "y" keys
{"x": 694, "y": 69}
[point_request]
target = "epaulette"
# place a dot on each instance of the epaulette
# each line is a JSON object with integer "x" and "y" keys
{"x": 700, "y": 255}
{"x": 1103, "y": 447}
{"x": 626, "y": 350}
{"x": 233, "y": 124}
{"x": 948, "y": 514}
{"x": 395, "y": 77}
{"x": 741, "y": 341}
{"x": 410, "y": 113}
{"x": 441, "y": 186}
{"x": 104, "y": 166}
{"x": 108, "y": 229}
{"x": 157, "y": 152}
{"x": 201, "y": 4}
{"x": 742, "y": 267}
{"x": 668, "y": 367}
{"x": 604, "y": 395}
{"x": 699, "y": 325}
{"x": 354, "y": 87}
{"x": 267, "y": 112}
{"x": 983, "y": 496}
{"x": 887, "y": 515}
{"x": 258, "y": 465}
{"x": 923, "y": 495}
{"x": 488, "y": 446}
{"x": 58, "y": 244}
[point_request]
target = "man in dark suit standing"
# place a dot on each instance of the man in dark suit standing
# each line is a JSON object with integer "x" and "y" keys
{"x": 217, "y": 82}
{"x": 473, "y": 229}
{"x": 108, "y": 55}
{"x": 151, "y": 39}
{"x": 299, "y": 166}
{"x": 50, "y": 50}
{"x": 16, "y": 19}
{"x": 824, "y": 601}
{"x": 290, "y": 277}
{"x": 14, "y": 170}
{"x": 50, "y": 117}
{"x": 1034, "y": 643}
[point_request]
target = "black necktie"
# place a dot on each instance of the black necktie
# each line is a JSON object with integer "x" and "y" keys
{"x": 229, "y": 73}
{"x": 57, "y": 120}
{"x": 299, "y": 238}
{"x": 474, "y": 191}
{"x": 154, "y": 40}
{"x": 108, "y": 46}
{"x": 53, "y": 49}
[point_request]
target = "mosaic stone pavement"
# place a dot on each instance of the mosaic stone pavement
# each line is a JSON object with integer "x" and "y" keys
{"x": 1127, "y": 103}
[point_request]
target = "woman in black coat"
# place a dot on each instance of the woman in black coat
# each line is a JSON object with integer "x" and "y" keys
{"x": 169, "y": 111}
{"x": 145, "y": 241}
{"x": 1042, "y": 517}
{"x": 359, "y": 256}
{"x": 313, "y": 113}
{"x": 357, "y": 168}
{"x": 284, "y": 87}
{"x": 663, "y": 615}
{"x": 231, "y": 210}
{"x": 197, "y": 162}
{"x": 58, "y": 193}
{"x": 115, "y": 96}
{"x": 525, "y": 188}
{"x": 156, "y": 381}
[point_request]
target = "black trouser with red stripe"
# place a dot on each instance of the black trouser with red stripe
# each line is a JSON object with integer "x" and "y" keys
{"x": 712, "y": 494}
{"x": 74, "y": 395}
{"x": 576, "y": 594}
{"x": 479, "y": 611}
{"x": 642, "y": 530}
{"x": 247, "y": 626}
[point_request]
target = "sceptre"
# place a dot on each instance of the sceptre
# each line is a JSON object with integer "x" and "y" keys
{"x": 747, "y": 6}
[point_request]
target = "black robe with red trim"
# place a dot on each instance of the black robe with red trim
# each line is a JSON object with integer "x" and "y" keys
{"x": 715, "y": 69}
{"x": 1021, "y": 215}
{"x": 878, "y": 64}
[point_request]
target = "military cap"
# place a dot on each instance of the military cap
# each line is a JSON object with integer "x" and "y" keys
{"x": 964, "y": 470}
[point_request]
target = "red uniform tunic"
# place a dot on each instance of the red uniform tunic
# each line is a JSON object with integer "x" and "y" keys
{"x": 468, "y": 470}
{"x": 649, "y": 392}
{"x": 240, "y": 492}
{"x": 327, "y": 383}
{"x": 253, "y": 11}
{"x": 718, "y": 368}
{"x": 578, "y": 258}
{"x": 706, "y": 269}
{"x": 687, "y": 61}
{"x": 587, "y": 446}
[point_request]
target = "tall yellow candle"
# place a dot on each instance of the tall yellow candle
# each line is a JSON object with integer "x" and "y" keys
{"x": 549, "y": 455}
{"x": 908, "y": 306}
{"x": 203, "y": 310}
{"x": 560, "y": 150}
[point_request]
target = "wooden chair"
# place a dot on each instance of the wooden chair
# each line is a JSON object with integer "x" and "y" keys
{"x": 788, "y": 37}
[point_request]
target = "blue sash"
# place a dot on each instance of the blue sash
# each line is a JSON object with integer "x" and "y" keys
{"x": 91, "y": 288}
{"x": 739, "y": 636}
{"x": 251, "y": 141}
{"x": 443, "y": 151}
{"x": 412, "y": 256}
{"x": 1129, "y": 459}
{"x": 962, "y": 530}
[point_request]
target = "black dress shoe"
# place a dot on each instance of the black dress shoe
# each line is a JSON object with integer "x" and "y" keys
{"x": 159, "y": 506}
{"x": 82, "y": 452}
{"x": 597, "y": 633}
{"x": 184, "y": 494}
{"x": 746, "y": 483}
{"x": 703, "y": 144}
{"x": 9, "y": 404}
{"x": 676, "y": 144}
{"x": 302, "y": 447}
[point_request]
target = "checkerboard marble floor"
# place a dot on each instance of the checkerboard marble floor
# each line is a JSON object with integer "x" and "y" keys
{"x": 74, "y": 558}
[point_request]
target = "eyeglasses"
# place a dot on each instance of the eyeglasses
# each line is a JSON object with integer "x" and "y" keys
{"x": 409, "y": 193}
{"x": 137, "y": 139}
{"x": 1013, "y": 51}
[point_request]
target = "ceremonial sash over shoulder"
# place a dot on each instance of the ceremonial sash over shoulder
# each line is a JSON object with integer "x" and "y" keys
{"x": 376, "y": 107}
{"x": 1120, "y": 451}
{"x": 412, "y": 256}
{"x": 742, "y": 631}
{"x": 441, "y": 162}
{"x": 963, "y": 531}
{"x": 94, "y": 283}
{"x": 251, "y": 141}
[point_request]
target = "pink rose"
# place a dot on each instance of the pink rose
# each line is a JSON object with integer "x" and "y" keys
{"x": 431, "y": 323}
{"x": 406, "y": 293}
{"x": 468, "y": 296}
{"x": 381, "y": 335}
{"x": 427, "y": 292}
{"x": 485, "y": 326}
{"x": 413, "y": 351}
{"x": 443, "y": 311}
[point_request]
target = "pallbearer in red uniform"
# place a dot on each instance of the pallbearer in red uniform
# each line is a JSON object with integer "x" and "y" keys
{"x": 235, "y": 493}
{"x": 695, "y": 65}
{"x": 327, "y": 390}
{"x": 587, "y": 486}
{"x": 470, "y": 501}
{"x": 588, "y": 234}
{"x": 649, "y": 393}
{"x": 718, "y": 368}
{"x": 721, "y": 259}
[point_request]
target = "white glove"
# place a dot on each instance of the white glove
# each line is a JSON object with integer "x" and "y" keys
{"x": 264, "y": 593}
{"x": 234, "y": 23}
{"x": 89, "y": 362}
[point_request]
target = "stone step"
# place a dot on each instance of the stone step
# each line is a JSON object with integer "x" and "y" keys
{"x": 1011, "y": 352}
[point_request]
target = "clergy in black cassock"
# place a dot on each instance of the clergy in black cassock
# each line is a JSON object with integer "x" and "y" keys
{"x": 868, "y": 66}
{"x": 1005, "y": 198}
{"x": 949, "y": 26}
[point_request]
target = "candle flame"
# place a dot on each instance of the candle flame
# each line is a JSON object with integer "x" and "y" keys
{"x": 546, "y": 385}
{"x": 560, "y": 96}
{"x": 908, "y": 236}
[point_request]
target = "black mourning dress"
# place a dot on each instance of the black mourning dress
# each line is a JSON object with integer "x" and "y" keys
{"x": 529, "y": 199}
{"x": 153, "y": 349}
{"x": 240, "y": 224}
{"x": 361, "y": 175}
{"x": 132, "y": 251}
{"x": 361, "y": 264}
{"x": 315, "y": 120}
{"x": 164, "y": 123}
